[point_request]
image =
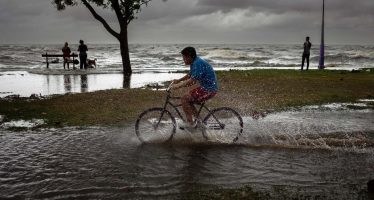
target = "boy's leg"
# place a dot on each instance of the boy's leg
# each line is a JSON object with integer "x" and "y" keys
{"x": 188, "y": 107}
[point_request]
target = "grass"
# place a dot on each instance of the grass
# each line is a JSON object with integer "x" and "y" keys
{"x": 247, "y": 91}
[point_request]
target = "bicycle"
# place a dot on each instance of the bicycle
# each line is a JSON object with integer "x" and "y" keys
{"x": 159, "y": 124}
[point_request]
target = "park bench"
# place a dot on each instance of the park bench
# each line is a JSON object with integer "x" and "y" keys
{"x": 46, "y": 55}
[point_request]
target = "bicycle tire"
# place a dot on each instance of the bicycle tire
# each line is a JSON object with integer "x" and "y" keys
{"x": 223, "y": 124}
{"x": 150, "y": 130}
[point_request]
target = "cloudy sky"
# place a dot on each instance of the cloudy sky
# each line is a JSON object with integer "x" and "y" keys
{"x": 194, "y": 21}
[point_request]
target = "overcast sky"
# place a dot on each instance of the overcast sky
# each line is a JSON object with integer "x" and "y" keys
{"x": 195, "y": 21}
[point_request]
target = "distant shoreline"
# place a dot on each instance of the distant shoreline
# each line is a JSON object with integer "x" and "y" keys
{"x": 78, "y": 71}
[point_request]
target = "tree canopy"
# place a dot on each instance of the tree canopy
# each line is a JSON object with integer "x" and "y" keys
{"x": 125, "y": 10}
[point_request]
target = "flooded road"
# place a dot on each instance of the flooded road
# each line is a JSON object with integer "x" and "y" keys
{"x": 312, "y": 153}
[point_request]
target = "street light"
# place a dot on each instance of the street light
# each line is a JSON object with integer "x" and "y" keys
{"x": 322, "y": 47}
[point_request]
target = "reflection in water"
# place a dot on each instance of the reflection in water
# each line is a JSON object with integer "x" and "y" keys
{"x": 84, "y": 83}
{"x": 48, "y": 83}
{"x": 67, "y": 83}
{"x": 25, "y": 84}
{"x": 126, "y": 81}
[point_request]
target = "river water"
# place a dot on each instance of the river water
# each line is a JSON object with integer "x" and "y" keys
{"x": 321, "y": 152}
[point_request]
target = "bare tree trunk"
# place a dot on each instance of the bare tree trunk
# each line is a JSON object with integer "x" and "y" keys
{"x": 126, "y": 81}
{"x": 124, "y": 47}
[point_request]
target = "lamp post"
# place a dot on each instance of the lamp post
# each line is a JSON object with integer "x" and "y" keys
{"x": 322, "y": 47}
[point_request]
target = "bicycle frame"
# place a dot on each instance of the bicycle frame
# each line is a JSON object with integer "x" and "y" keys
{"x": 175, "y": 106}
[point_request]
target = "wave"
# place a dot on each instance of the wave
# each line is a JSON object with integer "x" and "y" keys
{"x": 5, "y": 57}
{"x": 226, "y": 54}
{"x": 158, "y": 56}
{"x": 343, "y": 58}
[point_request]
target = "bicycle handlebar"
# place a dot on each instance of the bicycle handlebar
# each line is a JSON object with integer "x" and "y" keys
{"x": 169, "y": 88}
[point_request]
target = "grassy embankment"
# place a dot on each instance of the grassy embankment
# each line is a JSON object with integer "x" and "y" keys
{"x": 247, "y": 91}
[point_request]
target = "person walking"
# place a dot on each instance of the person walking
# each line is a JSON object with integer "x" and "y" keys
{"x": 66, "y": 54}
{"x": 82, "y": 54}
{"x": 306, "y": 53}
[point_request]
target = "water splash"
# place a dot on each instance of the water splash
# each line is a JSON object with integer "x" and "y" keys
{"x": 327, "y": 126}
{"x": 330, "y": 126}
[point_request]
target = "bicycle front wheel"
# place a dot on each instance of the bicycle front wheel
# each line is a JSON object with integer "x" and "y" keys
{"x": 155, "y": 125}
{"x": 223, "y": 124}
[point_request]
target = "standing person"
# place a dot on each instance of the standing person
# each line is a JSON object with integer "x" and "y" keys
{"x": 82, "y": 55}
{"x": 66, "y": 54}
{"x": 306, "y": 53}
{"x": 201, "y": 72}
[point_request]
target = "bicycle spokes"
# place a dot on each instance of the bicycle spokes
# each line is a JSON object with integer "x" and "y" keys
{"x": 155, "y": 125}
{"x": 223, "y": 125}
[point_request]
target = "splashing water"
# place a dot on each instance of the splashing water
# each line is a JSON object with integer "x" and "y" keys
{"x": 331, "y": 126}
{"x": 315, "y": 128}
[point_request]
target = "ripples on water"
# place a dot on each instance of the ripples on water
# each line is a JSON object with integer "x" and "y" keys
{"x": 108, "y": 163}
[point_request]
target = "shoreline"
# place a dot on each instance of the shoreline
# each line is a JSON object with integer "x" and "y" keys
{"x": 45, "y": 82}
{"x": 252, "y": 92}
{"x": 99, "y": 70}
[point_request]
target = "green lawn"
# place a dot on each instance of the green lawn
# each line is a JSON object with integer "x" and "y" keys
{"x": 247, "y": 91}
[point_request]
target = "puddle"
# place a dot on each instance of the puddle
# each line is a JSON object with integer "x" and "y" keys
{"x": 311, "y": 152}
{"x": 26, "y": 84}
{"x": 21, "y": 123}
{"x": 109, "y": 163}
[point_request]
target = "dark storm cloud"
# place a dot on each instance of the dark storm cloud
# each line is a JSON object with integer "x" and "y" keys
{"x": 242, "y": 21}
{"x": 339, "y": 13}
{"x": 284, "y": 18}
{"x": 359, "y": 7}
{"x": 278, "y": 6}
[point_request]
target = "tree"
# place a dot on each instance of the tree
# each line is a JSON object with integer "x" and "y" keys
{"x": 125, "y": 11}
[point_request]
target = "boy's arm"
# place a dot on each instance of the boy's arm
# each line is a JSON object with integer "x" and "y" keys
{"x": 187, "y": 76}
{"x": 187, "y": 83}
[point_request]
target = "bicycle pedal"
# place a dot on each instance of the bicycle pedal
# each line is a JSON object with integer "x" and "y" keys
{"x": 215, "y": 127}
{"x": 188, "y": 128}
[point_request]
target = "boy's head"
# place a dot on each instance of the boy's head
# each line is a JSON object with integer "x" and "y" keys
{"x": 189, "y": 55}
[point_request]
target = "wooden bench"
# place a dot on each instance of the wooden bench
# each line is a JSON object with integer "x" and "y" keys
{"x": 46, "y": 55}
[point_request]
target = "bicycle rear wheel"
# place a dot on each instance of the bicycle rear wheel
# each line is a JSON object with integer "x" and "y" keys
{"x": 223, "y": 124}
{"x": 155, "y": 125}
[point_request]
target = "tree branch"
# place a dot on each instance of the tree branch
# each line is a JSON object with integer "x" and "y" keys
{"x": 100, "y": 19}
{"x": 145, "y": 2}
{"x": 121, "y": 18}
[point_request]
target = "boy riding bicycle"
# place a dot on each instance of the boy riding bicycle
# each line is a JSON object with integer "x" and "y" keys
{"x": 201, "y": 72}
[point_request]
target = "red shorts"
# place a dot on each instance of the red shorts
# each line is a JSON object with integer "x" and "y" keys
{"x": 200, "y": 95}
